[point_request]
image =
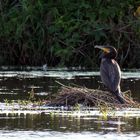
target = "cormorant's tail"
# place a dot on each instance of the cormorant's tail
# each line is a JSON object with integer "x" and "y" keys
{"x": 119, "y": 96}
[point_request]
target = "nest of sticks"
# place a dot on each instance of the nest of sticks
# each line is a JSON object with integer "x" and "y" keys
{"x": 71, "y": 96}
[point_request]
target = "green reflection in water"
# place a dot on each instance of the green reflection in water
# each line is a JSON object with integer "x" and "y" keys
{"x": 62, "y": 123}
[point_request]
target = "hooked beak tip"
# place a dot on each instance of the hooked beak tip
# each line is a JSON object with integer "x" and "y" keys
{"x": 98, "y": 46}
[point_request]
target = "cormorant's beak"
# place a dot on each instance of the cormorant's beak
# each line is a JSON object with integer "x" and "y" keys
{"x": 104, "y": 48}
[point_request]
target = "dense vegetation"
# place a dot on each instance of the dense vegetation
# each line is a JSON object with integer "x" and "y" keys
{"x": 64, "y": 32}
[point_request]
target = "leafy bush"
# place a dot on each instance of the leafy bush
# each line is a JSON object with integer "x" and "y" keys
{"x": 64, "y": 32}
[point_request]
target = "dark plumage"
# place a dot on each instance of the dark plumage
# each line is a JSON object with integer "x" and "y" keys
{"x": 110, "y": 71}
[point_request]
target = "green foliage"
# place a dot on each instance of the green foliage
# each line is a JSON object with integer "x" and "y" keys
{"x": 63, "y": 32}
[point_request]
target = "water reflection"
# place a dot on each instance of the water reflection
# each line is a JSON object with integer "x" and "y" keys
{"x": 15, "y": 86}
{"x": 53, "y": 135}
{"x": 36, "y": 122}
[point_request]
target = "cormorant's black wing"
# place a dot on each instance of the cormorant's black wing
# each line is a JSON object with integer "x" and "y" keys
{"x": 110, "y": 74}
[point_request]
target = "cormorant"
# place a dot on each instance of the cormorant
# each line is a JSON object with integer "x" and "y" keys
{"x": 110, "y": 71}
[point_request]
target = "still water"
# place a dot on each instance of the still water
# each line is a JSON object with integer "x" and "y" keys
{"x": 16, "y": 85}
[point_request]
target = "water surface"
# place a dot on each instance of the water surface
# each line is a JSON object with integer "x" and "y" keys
{"x": 16, "y": 85}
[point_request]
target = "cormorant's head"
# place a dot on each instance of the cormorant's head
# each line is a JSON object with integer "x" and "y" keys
{"x": 108, "y": 51}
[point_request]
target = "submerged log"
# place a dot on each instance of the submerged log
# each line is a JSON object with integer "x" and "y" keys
{"x": 71, "y": 96}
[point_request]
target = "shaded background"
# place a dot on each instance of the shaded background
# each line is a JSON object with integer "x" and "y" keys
{"x": 63, "y": 32}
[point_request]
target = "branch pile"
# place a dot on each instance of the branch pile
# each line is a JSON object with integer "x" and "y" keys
{"x": 70, "y": 96}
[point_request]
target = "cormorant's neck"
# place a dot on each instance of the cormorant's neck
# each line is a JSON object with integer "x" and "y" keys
{"x": 109, "y": 56}
{"x": 107, "y": 59}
